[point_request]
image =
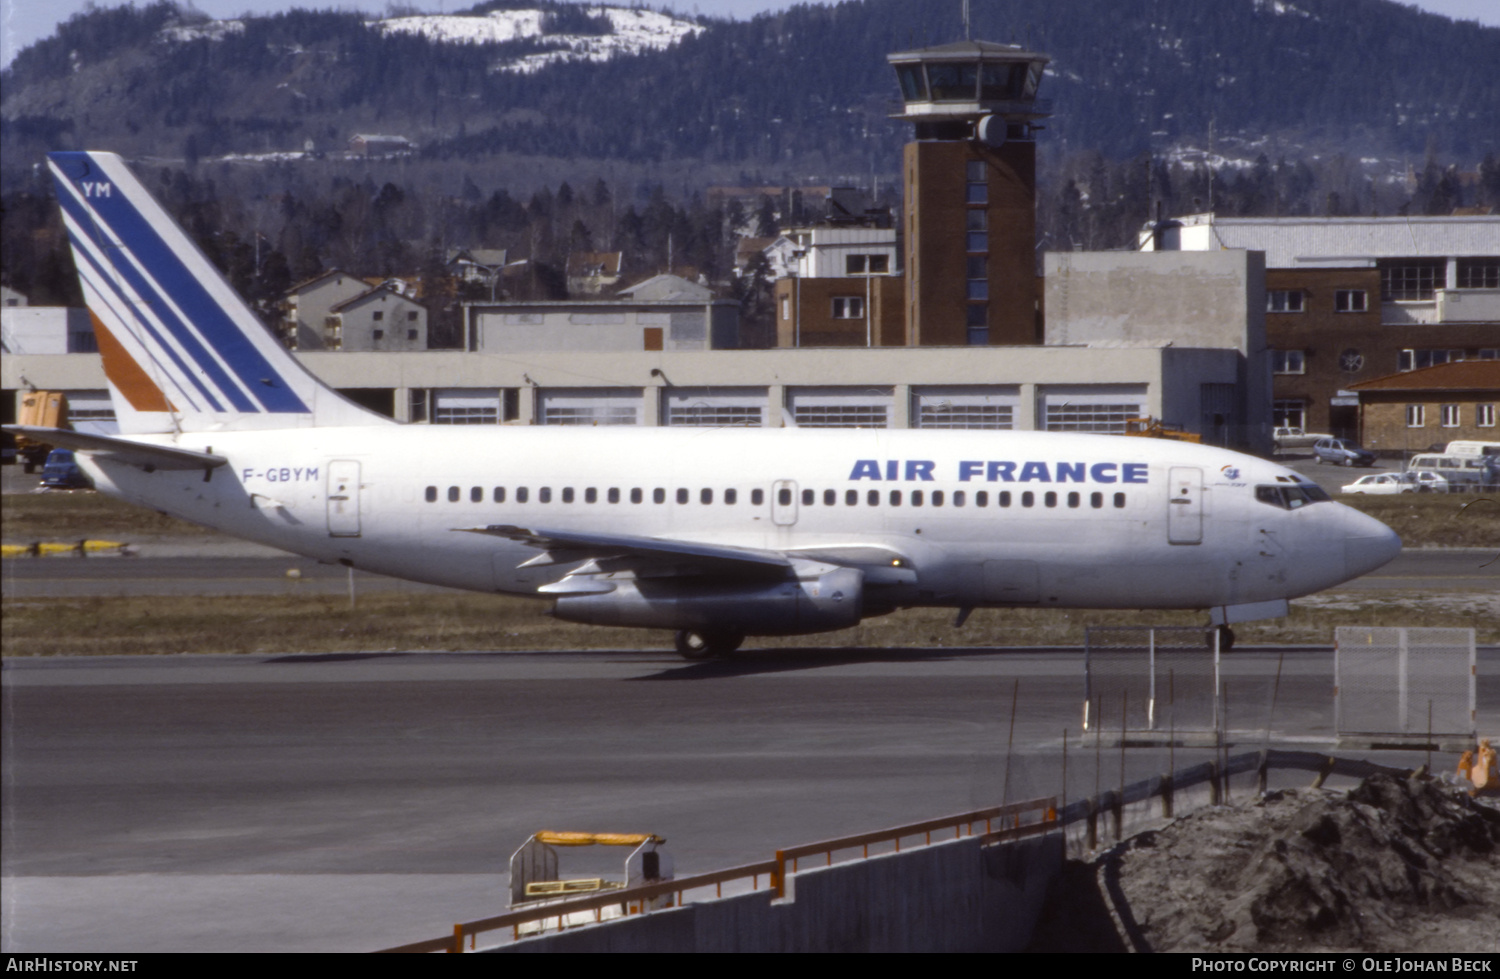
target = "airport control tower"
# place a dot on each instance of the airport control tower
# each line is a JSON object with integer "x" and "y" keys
{"x": 971, "y": 192}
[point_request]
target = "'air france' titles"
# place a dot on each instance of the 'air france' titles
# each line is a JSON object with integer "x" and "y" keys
{"x": 1003, "y": 471}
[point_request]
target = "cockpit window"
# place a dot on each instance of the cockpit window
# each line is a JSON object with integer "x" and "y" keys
{"x": 1291, "y": 497}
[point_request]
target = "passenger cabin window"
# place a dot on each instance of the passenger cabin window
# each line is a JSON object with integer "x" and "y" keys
{"x": 682, "y": 495}
{"x": 453, "y": 494}
{"x": 476, "y": 494}
{"x": 544, "y": 495}
{"x": 658, "y": 495}
{"x": 522, "y": 494}
{"x": 636, "y": 495}
{"x": 731, "y": 497}
{"x": 432, "y": 494}
{"x": 499, "y": 494}
{"x": 757, "y": 497}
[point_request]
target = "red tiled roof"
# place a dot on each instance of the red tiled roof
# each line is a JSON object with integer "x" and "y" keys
{"x": 1463, "y": 375}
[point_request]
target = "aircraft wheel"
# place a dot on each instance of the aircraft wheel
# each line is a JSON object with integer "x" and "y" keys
{"x": 701, "y": 645}
{"x": 1226, "y": 638}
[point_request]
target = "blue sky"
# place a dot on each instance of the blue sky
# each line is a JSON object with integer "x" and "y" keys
{"x": 24, "y": 22}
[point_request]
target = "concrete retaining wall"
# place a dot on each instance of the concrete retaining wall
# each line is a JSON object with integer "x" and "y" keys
{"x": 949, "y": 897}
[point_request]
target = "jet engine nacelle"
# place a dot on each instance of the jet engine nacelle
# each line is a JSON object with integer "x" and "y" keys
{"x": 821, "y": 603}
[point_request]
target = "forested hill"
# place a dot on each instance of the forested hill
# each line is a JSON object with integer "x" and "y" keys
{"x": 806, "y": 92}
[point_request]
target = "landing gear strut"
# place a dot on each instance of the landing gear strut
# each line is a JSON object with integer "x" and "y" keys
{"x": 1226, "y": 638}
{"x": 702, "y": 645}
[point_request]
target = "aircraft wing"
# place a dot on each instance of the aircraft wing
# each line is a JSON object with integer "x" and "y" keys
{"x": 141, "y": 454}
{"x": 618, "y": 552}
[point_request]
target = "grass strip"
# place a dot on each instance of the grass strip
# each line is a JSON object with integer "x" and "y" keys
{"x": 150, "y": 625}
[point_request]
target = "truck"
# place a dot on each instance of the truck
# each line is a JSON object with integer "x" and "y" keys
{"x": 40, "y": 409}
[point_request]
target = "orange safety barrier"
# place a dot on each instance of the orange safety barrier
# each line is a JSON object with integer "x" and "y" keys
{"x": 633, "y": 900}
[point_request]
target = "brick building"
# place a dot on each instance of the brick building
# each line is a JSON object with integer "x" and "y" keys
{"x": 1429, "y": 407}
{"x": 1350, "y": 300}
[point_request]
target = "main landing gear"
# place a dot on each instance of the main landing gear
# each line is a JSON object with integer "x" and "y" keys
{"x": 1226, "y": 638}
{"x": 701, "y": 645}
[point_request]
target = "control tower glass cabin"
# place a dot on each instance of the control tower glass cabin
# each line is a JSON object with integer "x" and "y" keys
{"x": 970, "y": 197}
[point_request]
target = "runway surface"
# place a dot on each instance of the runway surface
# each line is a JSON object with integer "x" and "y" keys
{"x": 348, "y": 802}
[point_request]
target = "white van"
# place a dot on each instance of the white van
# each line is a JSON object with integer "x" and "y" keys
{"x": 1470, "y": 448}
{"x": 1456, "y": 469}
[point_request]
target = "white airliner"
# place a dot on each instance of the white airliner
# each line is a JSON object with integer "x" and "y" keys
{"x": 715, "y": 533}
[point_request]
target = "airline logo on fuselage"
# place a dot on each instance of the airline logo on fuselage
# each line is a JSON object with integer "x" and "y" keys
{"x": 1002, "y": 471}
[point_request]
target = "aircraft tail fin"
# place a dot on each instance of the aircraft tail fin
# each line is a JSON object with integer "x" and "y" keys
{"x": 182, "y": 352}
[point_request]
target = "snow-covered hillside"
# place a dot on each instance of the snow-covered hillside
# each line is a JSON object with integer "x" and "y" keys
{"x": 634, "y": 30}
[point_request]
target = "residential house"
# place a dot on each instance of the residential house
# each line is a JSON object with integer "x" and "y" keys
{"x": 381, "y": 319}
{"x": 592, "y": 273}
{"x": 308, "y": 305}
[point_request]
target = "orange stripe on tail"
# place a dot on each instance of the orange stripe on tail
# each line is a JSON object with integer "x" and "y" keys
{"x": 126, "y": 375}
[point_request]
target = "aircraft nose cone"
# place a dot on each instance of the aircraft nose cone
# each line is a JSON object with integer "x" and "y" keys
{"x": 1368, "y": 544}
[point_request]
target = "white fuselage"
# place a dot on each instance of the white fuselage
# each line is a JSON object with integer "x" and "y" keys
{"x": 982, "y": 518}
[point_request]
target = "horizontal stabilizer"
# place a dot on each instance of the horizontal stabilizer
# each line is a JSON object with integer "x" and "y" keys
{"x": 147, "y": 456}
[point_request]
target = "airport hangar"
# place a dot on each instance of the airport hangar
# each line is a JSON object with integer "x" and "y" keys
{"x": 1179, "y": 338}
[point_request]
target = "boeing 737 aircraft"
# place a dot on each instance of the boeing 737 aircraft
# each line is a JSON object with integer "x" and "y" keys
{"x": 717, "y": 534}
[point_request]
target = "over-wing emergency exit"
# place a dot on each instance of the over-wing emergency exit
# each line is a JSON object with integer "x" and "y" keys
{"x": 717, "y": 534}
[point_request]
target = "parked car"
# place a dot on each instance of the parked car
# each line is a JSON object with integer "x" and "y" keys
{"x": 1379, "y": 484}
{"x": 1295, "y": 438}
{"x": 1425, "y": 481}
{"x": 61, "y": 471}
{"x": 1342, "y": 452}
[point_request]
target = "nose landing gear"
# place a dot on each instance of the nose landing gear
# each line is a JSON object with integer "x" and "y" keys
{"x": 696, "y": 645}
{"x": 1226, "y": 638}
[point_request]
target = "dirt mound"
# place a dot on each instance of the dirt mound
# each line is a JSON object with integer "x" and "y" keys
{"x": 1393, "y": 865}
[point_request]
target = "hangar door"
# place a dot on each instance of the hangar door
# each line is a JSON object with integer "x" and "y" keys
{"x": 590, "y": 406}
{"x": 964, "y": 406}
{"x": 727, "y": 407}
{"x": 1090, "y": 407}
{"x": 841, "y": 407}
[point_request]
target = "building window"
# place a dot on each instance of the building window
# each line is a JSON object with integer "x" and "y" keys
{"x": 1289, "y": 414}
{"x": 978, "y": 188}
{"x": 411, "y": 317}
{"x": 867, "y": 264}
{"x": 1484, "y": 416}
{"x": 377, "y": 316}
{"x": 1479, "y": 273}
{"x": 1350, "y": 301}
{"x": 1284, "y": 301}
{"x": 848, "y": 307}
{"x": 378, "y": 335}
{"x": 1410, "y": 360}
{"x": 1416, "y": 416}
{"x": 1288, "y": 361}
{"x": 411, "y": 334}
{"x": 1489, "y": 353}
{"x": 1450, "y": 416}
{"x": 1408, "y": 280}
{"x": 978, "y": 324}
